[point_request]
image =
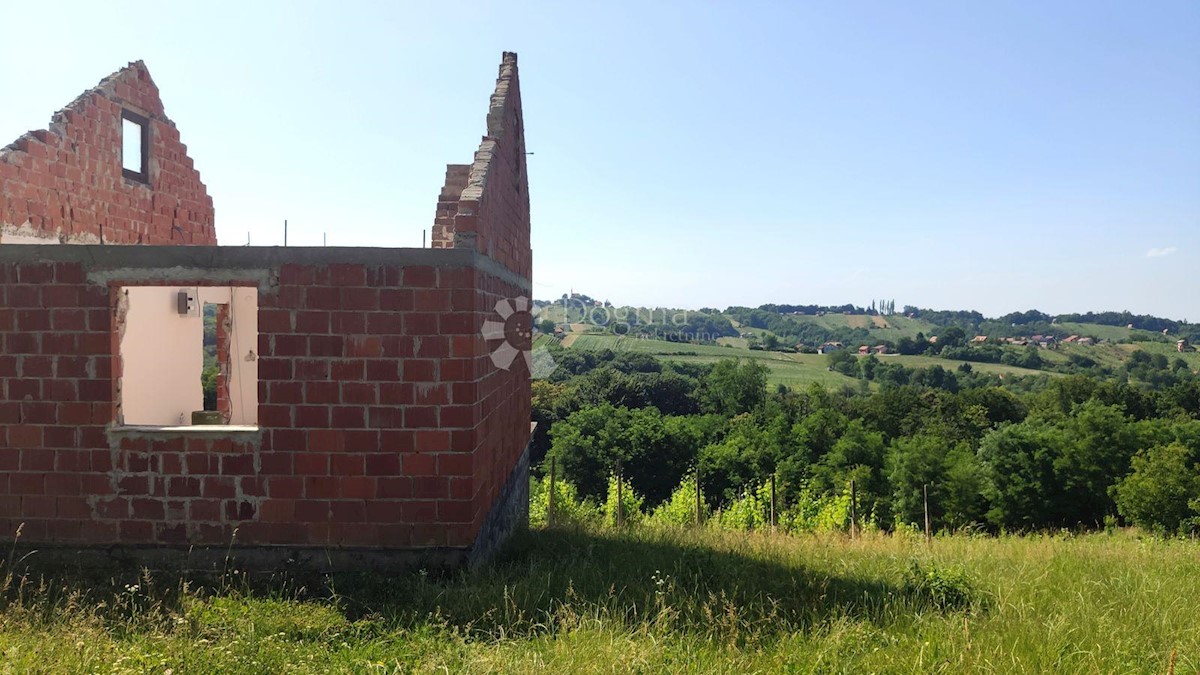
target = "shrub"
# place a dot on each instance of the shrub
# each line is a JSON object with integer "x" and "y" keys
{"x": 833, "y": 514}
{"x": 569, "y": 508}
{"x": 816, "y": 514}
{"x": 680, "y": 509}
{"x": 944, "y": 587}
{"x": 751, "y": 511}
{"x": 631, "y": 503}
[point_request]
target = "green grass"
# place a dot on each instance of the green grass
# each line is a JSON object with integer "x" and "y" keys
{"x": 1192, "y": 358}
{"x": 1115, "y": 355}
{"x": 926, "y": 361}
{"x": 794, "y": 370}
{"x": 650, "y": 600}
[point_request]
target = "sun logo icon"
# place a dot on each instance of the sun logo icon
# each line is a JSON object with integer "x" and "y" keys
{"x": 515, "y": 328}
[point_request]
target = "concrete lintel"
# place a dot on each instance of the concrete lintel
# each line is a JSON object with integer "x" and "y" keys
{"x": 262, "y": 278}
{"x": 242, "y": 263}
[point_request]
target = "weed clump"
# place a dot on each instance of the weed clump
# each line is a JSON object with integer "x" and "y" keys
{"x": 944, "y": 587}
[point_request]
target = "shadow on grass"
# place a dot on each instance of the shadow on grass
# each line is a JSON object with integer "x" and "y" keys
{"x": 559, "y": 578}
{"x": 543, "y": 582}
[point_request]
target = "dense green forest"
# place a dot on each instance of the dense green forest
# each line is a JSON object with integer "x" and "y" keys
{"x": 1088, "y": 450}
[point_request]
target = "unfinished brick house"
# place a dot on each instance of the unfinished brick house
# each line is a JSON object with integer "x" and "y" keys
{"x": 369, "y": 417}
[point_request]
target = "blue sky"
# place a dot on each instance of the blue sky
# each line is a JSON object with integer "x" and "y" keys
{"x": 993, "y": 156}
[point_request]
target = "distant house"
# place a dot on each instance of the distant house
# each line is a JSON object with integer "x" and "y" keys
{"x": 978, "y": 339}
{"x": 1182, "y": 345}
{"x": 1087, "y": 341}
{"x": 932, "y": 339}
{"x": 879, "y": 349}
{"x": 864, "y": 350}
{"x": 828, "y": 347}
{"x": 1071, "y": 338}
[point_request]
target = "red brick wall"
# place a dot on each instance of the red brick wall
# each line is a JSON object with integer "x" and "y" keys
{"x": 491, "y": 215}
{"x": 371, "y": 373}
{"x": 375, "y": 387}
{"x": 55, "y": 398}
{"x": 65, "y": 184}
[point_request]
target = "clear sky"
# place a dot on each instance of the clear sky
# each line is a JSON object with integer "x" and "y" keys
{"x": 991, "y": 156}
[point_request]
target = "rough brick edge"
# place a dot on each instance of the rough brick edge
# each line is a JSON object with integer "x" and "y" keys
{"x": 464, "y": 193}
{"x": 481, "y": 167}
{"x": 106, "y": 88}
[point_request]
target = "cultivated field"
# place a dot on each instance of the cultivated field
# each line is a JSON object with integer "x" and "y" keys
{"x": 650, "y": 600}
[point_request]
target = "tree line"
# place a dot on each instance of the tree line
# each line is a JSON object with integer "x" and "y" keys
{"x": 1026, "y": 454}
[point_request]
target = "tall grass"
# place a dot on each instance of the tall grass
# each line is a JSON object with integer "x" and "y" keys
{"x": 587, "y": 599}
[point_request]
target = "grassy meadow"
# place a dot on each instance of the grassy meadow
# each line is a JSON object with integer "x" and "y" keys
{"x": 648, "y": 600}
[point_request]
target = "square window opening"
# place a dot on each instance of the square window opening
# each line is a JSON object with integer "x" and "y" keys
{"x": 135, "y": 146}
{"x": 187, "y": 356}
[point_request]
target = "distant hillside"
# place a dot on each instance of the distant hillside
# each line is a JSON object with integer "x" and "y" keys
{"x": 786, "y": 338}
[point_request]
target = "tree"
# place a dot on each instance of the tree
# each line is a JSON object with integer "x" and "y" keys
{"x": 743, "y": 457}
{"x": 859, "y": 456}
{"x": 733, "y": 387}
{"x": 1101, "y": 443}
{"x": 1019, "y": 478}
{"x": 1162, "y": 492}
{"x": 842, "y": 361}
{"x": 951, "y": 472}
{"x": 655, "y": 451}
{"x": 952, "y": 337}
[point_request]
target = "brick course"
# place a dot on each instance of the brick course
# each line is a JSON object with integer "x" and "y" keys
{"x": 348, "y": 453}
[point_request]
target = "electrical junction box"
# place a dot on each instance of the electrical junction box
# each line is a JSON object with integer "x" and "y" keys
{"x": 188, "y": 302}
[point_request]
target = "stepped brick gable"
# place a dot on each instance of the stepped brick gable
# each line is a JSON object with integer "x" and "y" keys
{"x": 66, "y": 184}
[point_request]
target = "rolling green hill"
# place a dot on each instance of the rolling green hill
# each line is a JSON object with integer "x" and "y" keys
{"x": 880, "y": 327}
{"x": 1115, "y": 347}
{"x": 789, "y": 369}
